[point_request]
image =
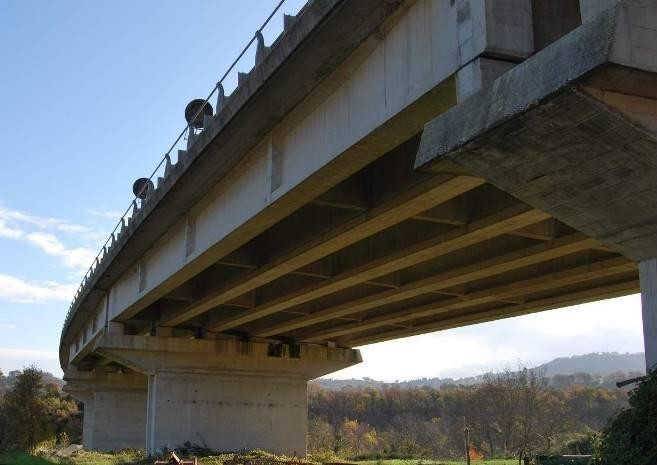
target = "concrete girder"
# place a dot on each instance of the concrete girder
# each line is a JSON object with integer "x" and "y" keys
{"x": 519, "y": 289}
{"x": 510, "y": 219}
{"x": 420, "y": 198}
{"x": 448, "y": 279}
{"x": 317, "y": 42}
{"x": 606, "y": 291}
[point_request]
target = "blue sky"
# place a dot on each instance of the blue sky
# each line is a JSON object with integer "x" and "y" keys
{"x": 92, "y": 94}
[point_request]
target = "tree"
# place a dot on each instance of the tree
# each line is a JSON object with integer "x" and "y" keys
{"x": 320, "y": 436}
{"x": 631, "y": 437}
{"x": 3, "y": 383}
{"x": 23, "y": 416}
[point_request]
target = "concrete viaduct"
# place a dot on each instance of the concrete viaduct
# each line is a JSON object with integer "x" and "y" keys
{"x": 388, "y": 168}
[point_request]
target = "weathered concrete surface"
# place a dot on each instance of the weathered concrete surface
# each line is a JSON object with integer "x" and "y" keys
{"x": 321, "y": 38}
{"x": 383, "y": 93}
{"x": 228, "y": 411}
{"x": 539, "y": 134}
{"x": 114, "y": 414}
{"x": 554, "y": 19}
{"x": 226, "y": 394}
{"x": 648, "y": 277}
{"x": 326, "y": 234}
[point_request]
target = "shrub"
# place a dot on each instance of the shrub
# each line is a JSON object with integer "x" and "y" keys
{"x": 631, "y": 437}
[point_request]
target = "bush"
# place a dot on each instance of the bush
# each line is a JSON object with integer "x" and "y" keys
{"x": 631, "y": 437}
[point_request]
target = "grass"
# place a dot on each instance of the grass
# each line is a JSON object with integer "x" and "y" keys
{"x": 437, "y": 462}
{"x": 21, "y": 458}
{"x": 135, "y": 457}
{"x": 132, "y": 457}
{"x": 81, "y": 458}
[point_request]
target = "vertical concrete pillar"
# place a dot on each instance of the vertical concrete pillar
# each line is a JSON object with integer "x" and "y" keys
{"x": 87, "y": 400}
{"x": 119, "y": 419}
{"x": 225, "y": 411}
{"x": 648, "y": 278}
{"x": 114, "y": 415}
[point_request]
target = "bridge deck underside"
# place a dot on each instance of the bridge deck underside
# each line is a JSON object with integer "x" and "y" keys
{"x": 392, "y": 252}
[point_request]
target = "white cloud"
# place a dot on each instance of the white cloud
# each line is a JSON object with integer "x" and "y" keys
{"x": 17, "y": 290}
{"x": 78, "y": 258}
{"x": 9, "y": 232}
{"x": 13, "y": 223}
{"x": 17, "y": 359}
{"x": 43, "y": 222}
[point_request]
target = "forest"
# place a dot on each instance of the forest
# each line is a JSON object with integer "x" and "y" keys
{"x": 508, "y": 414}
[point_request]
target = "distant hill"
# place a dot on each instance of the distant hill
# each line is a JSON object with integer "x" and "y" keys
{"x": 605, "y": 363}
{"x": 594, "y": 369}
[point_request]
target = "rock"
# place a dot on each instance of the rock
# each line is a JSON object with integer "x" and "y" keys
{"x": 68, "y": 451}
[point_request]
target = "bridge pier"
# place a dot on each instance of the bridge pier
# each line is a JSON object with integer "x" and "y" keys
{"x": 648, "y": 278}
{"x": 114, "y": 408}
{"x": 224, "y": 394}
{"x": 227, "y": 411}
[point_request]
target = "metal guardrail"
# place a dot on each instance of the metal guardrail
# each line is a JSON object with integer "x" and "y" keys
{"x": 165, "y": 163}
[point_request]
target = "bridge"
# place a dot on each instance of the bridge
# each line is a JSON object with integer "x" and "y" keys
{"x": 387, "y": 168}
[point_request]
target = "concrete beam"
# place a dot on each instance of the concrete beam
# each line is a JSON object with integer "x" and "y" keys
{"x": 406, "y": 205}
{"x": 507, "y": 292}
{"x": 540, "y": 134}
{"x": 606, "y": 291}
{"x": 479, "y": 231}
{"x": 445, "y": 280}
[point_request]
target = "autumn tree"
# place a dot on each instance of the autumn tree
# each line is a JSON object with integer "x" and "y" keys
{"x": 23, "y": 414}
{"x": 32, "y": 412}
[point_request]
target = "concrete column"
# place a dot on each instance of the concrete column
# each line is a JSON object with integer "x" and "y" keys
{"x": 648, "y": 278}
{"x": 227, "y": 411}
{"x": 114, "y": 416}
{"x": 87, "y": 400}
{"x": 119, "y": 419}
